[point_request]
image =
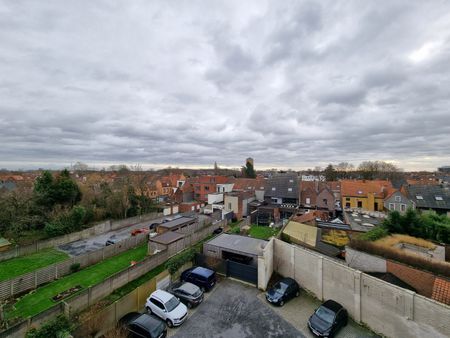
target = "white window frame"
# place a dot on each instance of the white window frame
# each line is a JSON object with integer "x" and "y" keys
{"x": 391, "y": 206}
{"x": 289, "y": 189}
{"x": 308, "y": 200}
{"x": 273, "y": 188}
{"x": 398, "y": 198}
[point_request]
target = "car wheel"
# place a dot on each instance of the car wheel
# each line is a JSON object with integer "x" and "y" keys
{"x": 281, "y": 302}
{"x": 189, "y": 305}
{"x": 169, "y": 323}
{"x": 297, "y": 293}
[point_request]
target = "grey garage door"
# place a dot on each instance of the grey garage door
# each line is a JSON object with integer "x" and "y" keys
{"x": 247, "y": 273}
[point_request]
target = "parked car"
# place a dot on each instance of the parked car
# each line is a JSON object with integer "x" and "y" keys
{"x": 328, "y": 319}
{"x": 143, "y": 325}
{"x": 111, "y": 241}
{"x": 282, "y": 291}
{"x": 153, "y": 226}
{"x": 218, "y": 231}
{"x": 167, "y": 307}
{"x": 191, "y": 295}
{"x": 139, "y": 231}
{"x": 204, "y": 278}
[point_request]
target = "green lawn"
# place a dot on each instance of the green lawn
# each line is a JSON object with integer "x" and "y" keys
{"x": 18, "y": 266}
{"x": 41, "y": 299}
{"x": 263, "y": 232}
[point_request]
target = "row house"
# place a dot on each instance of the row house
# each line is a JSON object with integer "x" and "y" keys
{"x": 365, "y": 194}
{"x": 429, "y": 197}
{"x": 315, "y": 194}
{"x": 204, "y": 185}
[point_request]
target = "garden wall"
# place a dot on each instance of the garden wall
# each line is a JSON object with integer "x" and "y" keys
{"x": 32, "y": 280}
{"x": 75, "y": 236}
{"x": 385, "y": 308}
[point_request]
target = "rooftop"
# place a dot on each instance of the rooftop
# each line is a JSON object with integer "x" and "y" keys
{"x": 245, "y": 244}
{"x": 177, "y": 222}
{"x": 363, "y": 221}
{"x": 167, "y": 237}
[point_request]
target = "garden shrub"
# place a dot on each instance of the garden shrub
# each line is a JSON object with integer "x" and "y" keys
{"x": 374, "y": 234}
{"x": 173, "y": 264}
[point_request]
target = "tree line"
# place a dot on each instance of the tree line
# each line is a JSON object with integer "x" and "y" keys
{"x": 57, "y": 205}
{"x": 368, "y": 170}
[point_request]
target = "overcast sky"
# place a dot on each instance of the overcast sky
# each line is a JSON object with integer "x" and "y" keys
{"x": 186, "y": 83}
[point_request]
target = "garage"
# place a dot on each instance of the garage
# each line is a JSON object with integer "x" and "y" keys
{"x": 240, "y": 254}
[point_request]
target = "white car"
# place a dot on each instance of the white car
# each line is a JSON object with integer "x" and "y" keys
{"x": 167, "y": 307}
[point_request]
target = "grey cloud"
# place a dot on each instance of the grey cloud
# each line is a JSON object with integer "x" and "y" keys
{"x": 293, "y": 84}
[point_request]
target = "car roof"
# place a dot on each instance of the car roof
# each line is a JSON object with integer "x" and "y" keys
{"x": 332, "y": 305}
{"x": 202, "y": 271}
{"x": 147, "y": 321}
{"x": 188, "y": 287}
{"x": 161, "y": 295}
{"x": 288, "y": 281}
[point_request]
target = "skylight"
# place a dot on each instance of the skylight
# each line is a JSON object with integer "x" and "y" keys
{"x": 419, "y": 197}
{"x": 438, "y": 198}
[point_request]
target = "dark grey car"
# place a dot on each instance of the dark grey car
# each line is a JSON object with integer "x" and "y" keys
{"x": 189, "y": 294}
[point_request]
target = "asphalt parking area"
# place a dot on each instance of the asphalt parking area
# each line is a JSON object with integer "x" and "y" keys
{"x": 234, "y": 310}
{"x": 298, "y": 310}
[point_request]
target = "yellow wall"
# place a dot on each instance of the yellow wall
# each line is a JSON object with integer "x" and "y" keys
{"x": 368, "y": 203}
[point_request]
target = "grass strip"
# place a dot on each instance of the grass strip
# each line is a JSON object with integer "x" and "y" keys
{"x": 41, "y": 299}
{"x": 21, "y": 265}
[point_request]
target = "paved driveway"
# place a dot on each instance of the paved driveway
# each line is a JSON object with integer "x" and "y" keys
{"x": 97, "y": 242}
{"x": 298, "y": 310}
{"x": 233, "y": 310}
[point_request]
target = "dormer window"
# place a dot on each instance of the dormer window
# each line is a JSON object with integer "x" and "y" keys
{"x": 419, "y": 197}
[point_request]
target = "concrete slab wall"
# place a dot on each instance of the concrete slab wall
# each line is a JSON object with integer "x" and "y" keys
{"x": 385, "y": 308}
{"x": 363, "y": 261}
{"x": 265, "y": 265}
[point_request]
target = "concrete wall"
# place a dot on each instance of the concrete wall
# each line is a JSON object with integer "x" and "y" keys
{"x": 75, "y": 236}
{"x": 385, "y": 308}
{"x": 363, "y": 261}
{"x": 32, "y": 280}
{"x": 265, "y": 265}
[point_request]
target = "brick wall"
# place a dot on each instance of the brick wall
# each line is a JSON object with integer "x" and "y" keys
{"x": 420, "y": 280}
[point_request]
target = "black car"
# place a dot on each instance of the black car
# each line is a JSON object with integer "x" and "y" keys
{"x": 328, "y": 319}
{"x": 218, "y": 230}
{"x": 153, "y": 226}
{"x": 143, "y": 325}
{"x": 189, "y": 294}
{"x": 282, "y": 291}
{"x": 204, "y": 278}
{"x": 111, "y": 241}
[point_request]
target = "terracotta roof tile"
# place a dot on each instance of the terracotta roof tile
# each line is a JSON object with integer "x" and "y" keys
{"x": 441, "y": 290}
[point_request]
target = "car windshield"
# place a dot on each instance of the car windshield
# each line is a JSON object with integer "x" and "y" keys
{"x": 172, "y": 304}
{"x": 280, "y": 287}
{"x": 325, "y": 314}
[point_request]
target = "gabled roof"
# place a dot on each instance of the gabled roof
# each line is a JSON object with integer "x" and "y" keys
{"x": 285, "y": 185}
{"x": 429, "y": 196}
{"x": 361, "y": 188}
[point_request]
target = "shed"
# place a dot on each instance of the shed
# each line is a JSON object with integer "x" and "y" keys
{"x": 176, "y": 224}
{"x": 236, "y": 248}
{"x": 4, "y": 244}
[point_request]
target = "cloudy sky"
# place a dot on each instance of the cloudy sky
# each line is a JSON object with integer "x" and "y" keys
{"x": 186, "y": 83}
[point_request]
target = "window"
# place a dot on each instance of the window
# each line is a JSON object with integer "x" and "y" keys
{"x": 291, "y": 181}
{"x": 438, "y": 198}
{"x": 391, "y": 206}
{"x": 262, "y": 188}
{"x": 325, "y": 201}
{"x": 419, "y": 197}
{"x": 206, "y": 187}
{"x": 402, "y": 207}
{"x": 229, "y": 206}
{"x": 273, "y": 188}
{"x": 308, "y": 200}
{"x": 289, "y": 189}
{"x": 398, "y": 198}
{"x": 347, "y": 199}
{"x": 157, "y": 303}
{"x": 359, "y": 204}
